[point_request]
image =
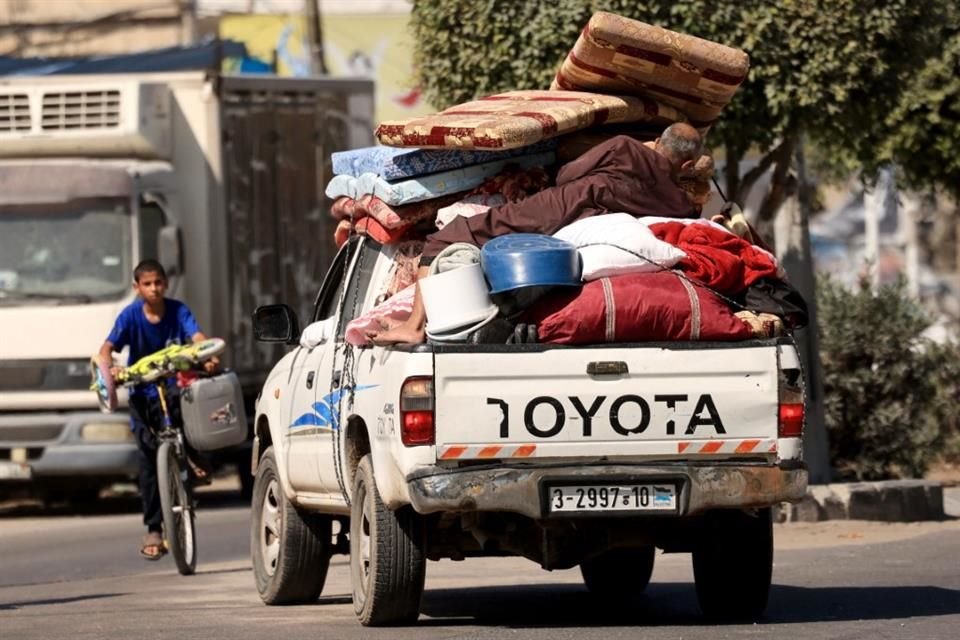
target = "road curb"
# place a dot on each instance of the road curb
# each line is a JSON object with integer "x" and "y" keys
{"x": 886, "y": 501}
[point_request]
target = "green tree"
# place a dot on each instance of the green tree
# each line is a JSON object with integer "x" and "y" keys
{"x": 891, "y": 394}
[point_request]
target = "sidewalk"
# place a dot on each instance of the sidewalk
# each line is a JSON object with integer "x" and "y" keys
{"x": 887, "y": 501}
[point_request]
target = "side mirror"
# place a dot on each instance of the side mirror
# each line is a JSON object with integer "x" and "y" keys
{"x": 276, "y": 323}
{"x": 168, "y": 250}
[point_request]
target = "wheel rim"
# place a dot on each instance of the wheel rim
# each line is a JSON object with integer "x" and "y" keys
{"x": 270, "y": 528}
{"x": 362, "y": 550}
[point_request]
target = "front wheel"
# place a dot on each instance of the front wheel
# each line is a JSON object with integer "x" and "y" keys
{"x": 387, "y": 561}
{"x": 177, "y": 508}
{"x": 733, "y": 564}
{"x": 290, "y": 548}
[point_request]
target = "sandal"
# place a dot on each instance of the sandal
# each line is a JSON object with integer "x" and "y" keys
{"x": 153, "y": 547}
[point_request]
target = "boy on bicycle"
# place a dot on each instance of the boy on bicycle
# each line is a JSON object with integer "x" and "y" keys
{"x": 149, "y": 324}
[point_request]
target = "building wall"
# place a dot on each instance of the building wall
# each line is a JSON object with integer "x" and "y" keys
{"x": 38, "y": 28}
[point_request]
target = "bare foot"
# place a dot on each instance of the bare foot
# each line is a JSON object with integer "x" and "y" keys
{"x": 403, "y": 334}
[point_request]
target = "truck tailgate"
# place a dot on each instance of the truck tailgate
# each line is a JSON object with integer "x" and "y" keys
{"x": 607, "y": 402}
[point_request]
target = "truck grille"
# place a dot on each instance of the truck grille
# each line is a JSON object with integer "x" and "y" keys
{"x": 80, "y": 110}
{"x": 45, "y": 375}
{"x": 17, "y": 376}
{"x": 14, "y": 112}
{"x": 30, "y": 433}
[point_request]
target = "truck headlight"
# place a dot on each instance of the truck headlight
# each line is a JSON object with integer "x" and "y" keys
{"x": 106, "y": 432}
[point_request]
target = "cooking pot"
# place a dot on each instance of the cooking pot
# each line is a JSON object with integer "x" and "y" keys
{"x": 521, "y": 260}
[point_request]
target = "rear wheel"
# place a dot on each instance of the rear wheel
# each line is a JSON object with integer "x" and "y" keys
{"x": 619, "y": 572}
{"x": 387, "y": 562}
{"x": 290, "y": 548}
{"x": 177, "y": 508}
{"x": 733, "y": 564}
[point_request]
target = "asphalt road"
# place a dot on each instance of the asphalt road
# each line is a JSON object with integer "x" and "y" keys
{"x": 80, "y": 577}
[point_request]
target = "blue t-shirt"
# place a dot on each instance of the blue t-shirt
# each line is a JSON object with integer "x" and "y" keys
{"x": 132, "y": 329}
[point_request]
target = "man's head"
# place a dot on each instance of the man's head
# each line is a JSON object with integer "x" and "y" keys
{"x": 681, "y": 145}
{"x": 150, "y": 281}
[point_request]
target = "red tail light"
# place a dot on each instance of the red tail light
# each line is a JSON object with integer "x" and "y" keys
{"x": 791, "y": 412}
{"x": 791, "y": 420}
{"x": 416, "y": 412}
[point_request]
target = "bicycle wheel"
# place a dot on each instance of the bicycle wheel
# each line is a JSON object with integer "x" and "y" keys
{"x": 177, "y": 507}
{"x": 101, "y": 381}
{"x": 198, "y": 352}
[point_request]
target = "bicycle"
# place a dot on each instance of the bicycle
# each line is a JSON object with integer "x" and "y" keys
{"x": 176, "y": 498}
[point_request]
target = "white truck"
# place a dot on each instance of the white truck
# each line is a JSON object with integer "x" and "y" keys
{"x": 592, "y": 456}
{"x": 217, "y": 176}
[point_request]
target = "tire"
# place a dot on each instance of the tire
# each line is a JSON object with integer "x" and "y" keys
{"x": 733, "y": 565}
{"x": 619, "y": 572}
{"x": 290, "y": 548}
{"x": 177, "y": 508}
{"x": 387, "y": 560}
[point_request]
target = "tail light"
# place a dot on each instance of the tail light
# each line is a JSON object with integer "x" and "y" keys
{"x": 416, "y": 412}
{"x": 791, "y": 409}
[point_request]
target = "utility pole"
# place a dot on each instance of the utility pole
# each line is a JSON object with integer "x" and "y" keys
{"x": 793, "y": 250}
{"x": 311, "y": 14}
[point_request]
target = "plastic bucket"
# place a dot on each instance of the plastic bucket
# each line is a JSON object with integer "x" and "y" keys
{"x": 456, "y": 299}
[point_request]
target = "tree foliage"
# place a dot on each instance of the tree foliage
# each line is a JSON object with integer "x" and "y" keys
{"x": 890, "y": 394}
{"x": 925, "y": 126}
{"x": 843, "y": 73}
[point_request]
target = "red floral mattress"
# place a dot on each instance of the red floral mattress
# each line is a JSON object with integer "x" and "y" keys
{"x": 520, "y": 118}
{"x": 628, "y": 57}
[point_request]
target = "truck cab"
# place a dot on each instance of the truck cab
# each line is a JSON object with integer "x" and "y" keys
{"x": 88, "y": 191}
{"x": 213, "y": 175}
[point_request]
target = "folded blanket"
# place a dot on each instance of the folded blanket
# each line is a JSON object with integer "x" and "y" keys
{"x": 716, "y": 257}
{"x": 428, "y": 187}
{"x": 390, "y": 217}
{"x": 384, "y": 316}
{"x": 371, "y": 228}
{"x": 392, "y": 163}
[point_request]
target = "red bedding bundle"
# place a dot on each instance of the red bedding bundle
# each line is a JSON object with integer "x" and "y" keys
{"x": 642, "y": 307}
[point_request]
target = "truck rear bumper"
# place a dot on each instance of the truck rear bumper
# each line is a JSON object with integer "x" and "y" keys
{"x": 518, "y": 489}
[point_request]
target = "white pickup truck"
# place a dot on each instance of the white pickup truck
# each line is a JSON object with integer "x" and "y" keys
{"x": 592, "y": 456}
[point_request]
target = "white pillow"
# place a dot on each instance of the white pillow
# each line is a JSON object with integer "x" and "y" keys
{"x": 616, "y": 243}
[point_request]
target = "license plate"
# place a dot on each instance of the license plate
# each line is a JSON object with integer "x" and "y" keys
{"x": 612, "y": 497}
{"x": 15, "y": 471}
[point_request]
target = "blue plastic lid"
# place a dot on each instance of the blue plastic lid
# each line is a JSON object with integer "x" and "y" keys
{"x": 522, "y": 260}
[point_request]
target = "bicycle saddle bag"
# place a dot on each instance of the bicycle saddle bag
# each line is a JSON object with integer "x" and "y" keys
{"x": 213, "y": 413}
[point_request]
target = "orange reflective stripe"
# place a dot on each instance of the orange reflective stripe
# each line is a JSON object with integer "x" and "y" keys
{"x": 747, "y": 446}
{"x": 452, "y": 452}
{"x": 711, "y": 447}
{"x": 682, "y": 446}
{"x": 525, "y": 451}
{"x": 489, "y": 452}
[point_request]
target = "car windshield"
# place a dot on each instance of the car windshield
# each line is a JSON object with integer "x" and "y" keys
{"x": 68, "y": 254}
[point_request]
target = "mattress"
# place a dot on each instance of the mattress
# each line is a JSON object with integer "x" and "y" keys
{"x": 618, "y": 55}
{"x": 521, "y": 118}
{"x": 391, "y": 163}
